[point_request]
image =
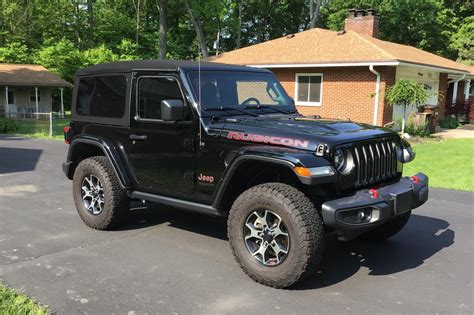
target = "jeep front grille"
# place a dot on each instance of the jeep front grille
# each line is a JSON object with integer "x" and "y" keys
{"x": 375, "y": 161}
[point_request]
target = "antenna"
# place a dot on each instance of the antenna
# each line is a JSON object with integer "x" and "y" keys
{"x": 201, "y": 144}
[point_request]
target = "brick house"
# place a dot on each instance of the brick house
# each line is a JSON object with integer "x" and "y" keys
{"x": 344, "y": 74}
{"x": 26, "y": 89}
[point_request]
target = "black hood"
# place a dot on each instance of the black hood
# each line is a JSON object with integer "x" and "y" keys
{"x": 297, "y": 131}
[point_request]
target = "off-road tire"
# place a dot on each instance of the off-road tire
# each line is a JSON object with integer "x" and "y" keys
{"x": 387, "y": 230}
{"x": 304, "y": 225}
{"x": 117, "y": 203}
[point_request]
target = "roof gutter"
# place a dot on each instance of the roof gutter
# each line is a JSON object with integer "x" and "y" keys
{"x": 377, "y": 92}
{"x": 323, "y": 65}
{"x": 462, "y": 77}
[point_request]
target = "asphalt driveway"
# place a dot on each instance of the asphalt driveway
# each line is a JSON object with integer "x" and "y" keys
{"x": 168, "y": 261}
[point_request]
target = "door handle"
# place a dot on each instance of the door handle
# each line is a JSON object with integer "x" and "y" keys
{"x": 138, "y": 137}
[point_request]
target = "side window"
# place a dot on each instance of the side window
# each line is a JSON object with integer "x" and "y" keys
{"x": 102, "y": 96}
{"x": 151, "y": 91}
{"x": 308, "y": 89}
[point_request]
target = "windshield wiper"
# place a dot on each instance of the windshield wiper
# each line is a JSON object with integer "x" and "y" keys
{"x": 227, "y": 108}
{"x": 259, "y": 106}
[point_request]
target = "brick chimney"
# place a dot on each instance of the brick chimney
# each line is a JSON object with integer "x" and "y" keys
{"x": 362, "y": 22}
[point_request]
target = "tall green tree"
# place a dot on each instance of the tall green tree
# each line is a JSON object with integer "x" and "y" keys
{"x": 15, "y": 52}
{"x": 463, "y": 41}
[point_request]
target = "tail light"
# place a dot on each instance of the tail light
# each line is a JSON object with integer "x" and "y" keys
{"x": 67, "y": 134}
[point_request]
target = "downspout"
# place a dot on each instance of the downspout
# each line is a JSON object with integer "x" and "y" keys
{"x": 377, "y": 92}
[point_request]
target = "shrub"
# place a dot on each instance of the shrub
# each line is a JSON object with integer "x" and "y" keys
{"x": 8, "y": 125}
{"x": 450, "y": 123}
{"x": 417, "y": 131}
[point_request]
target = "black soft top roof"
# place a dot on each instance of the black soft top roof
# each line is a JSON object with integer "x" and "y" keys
{"x": 156, "y": 65}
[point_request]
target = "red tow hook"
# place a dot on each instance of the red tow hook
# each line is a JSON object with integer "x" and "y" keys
{"x": 415, "y": 179}
{"x": 374, "y": 193}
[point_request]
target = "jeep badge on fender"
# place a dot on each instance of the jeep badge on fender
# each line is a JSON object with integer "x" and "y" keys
{"x": 138, "y": 131}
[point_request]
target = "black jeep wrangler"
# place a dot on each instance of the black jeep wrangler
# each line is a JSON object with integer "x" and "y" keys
{"x": 228, "y": 141}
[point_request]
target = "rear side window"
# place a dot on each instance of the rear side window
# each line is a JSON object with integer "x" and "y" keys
{"x": 102, "y": 96}
{"x": 153, "y": 90}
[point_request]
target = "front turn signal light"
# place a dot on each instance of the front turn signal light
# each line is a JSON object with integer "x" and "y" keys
{"x": 303, "y": 171}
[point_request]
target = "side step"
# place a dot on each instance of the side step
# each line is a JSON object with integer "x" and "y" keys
{"x": 178, "y": 203}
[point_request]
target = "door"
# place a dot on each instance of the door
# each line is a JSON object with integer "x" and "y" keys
{"x": 162, "y": 152}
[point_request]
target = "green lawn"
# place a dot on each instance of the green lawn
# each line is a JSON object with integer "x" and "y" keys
{"x": 40, "y": 128}
{"x": 448, "y": 163}
{"x": 12, "y": 303}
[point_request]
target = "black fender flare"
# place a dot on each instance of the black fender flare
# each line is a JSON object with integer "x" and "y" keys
{"x": 282, "y": 156}
{"x": 109, "y": 150}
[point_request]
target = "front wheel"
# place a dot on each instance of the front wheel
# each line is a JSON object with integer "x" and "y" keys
{"x": 276, "y": 234}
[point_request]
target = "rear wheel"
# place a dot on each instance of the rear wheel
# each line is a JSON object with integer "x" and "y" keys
{"x": 100, "y": 200}
{"x": 388, "y": 229}
{"x": 276, "y": 234}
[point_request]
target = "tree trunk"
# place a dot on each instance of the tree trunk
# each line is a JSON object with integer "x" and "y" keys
{"x": 239, "y": 31}
{"x": 198, "y": 27}
{"x": 403, "y": 120}
{"x": 137, "y": 18}
{"x": 78, "y": 24}
{"x": 90, "y": 23}
{"x": 314, "y": 8}
{"x": 163, "y": 7}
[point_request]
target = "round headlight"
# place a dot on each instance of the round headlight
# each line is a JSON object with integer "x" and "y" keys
{"x": 343, "y": 161}
{"x": 339, "y": 159}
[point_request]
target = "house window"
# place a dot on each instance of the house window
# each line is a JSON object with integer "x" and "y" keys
{"x": 33, "y": 96}
{"x": 11, "y": 97}
{"x": 309, "y": 88}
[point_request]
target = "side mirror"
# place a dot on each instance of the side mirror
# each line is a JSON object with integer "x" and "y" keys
{"x": 172, "y": 110}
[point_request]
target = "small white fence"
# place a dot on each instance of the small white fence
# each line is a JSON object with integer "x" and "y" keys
{"x": 41, "y": 124}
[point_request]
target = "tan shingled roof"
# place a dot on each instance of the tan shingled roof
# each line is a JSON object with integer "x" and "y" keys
{"x": 320, "y": 46}
{"x": 29, "y": 75}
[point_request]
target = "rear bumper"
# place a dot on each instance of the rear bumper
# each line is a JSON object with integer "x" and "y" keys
{"x": 66, "y": 169}
{"x": 392, "y": 200}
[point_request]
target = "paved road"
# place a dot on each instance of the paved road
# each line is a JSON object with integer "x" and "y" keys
{"x": 168, "y": 261}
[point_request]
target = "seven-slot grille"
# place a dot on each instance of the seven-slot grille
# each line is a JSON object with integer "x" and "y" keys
{"x": 375, "y": 161}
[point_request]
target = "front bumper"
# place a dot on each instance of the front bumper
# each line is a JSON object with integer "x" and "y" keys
{"x": 392, "y": 200}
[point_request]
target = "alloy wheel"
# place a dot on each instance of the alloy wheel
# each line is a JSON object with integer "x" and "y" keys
{"x": 93, "y": 194}
{"x": 266, "y": 237}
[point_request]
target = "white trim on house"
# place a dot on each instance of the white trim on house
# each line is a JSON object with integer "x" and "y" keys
{"x": 323, "y": 65}
{"x": 302, "y": 103}
{"x": 357, "y": 64}
{"x": 433, "y": 68}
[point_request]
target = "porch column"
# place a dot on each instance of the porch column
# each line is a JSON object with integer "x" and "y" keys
{"x": 36, "y": 99}
{"x": 62, "y": 102}
{"x": 455, "y": 92}
{"x": 6, "y": 107}
{"x": 467, "y": 87}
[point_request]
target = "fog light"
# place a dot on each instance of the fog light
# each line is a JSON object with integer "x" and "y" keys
{"x": 364, "y": 215}
{"x": 356, "y": 216}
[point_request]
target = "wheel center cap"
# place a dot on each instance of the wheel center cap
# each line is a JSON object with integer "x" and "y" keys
{"x": 267, "y": 236}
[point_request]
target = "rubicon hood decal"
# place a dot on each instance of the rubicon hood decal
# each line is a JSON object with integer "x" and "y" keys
{"x": 303, "y": 144}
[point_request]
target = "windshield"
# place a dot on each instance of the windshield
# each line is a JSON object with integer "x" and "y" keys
{"x": 232, "y": 89}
